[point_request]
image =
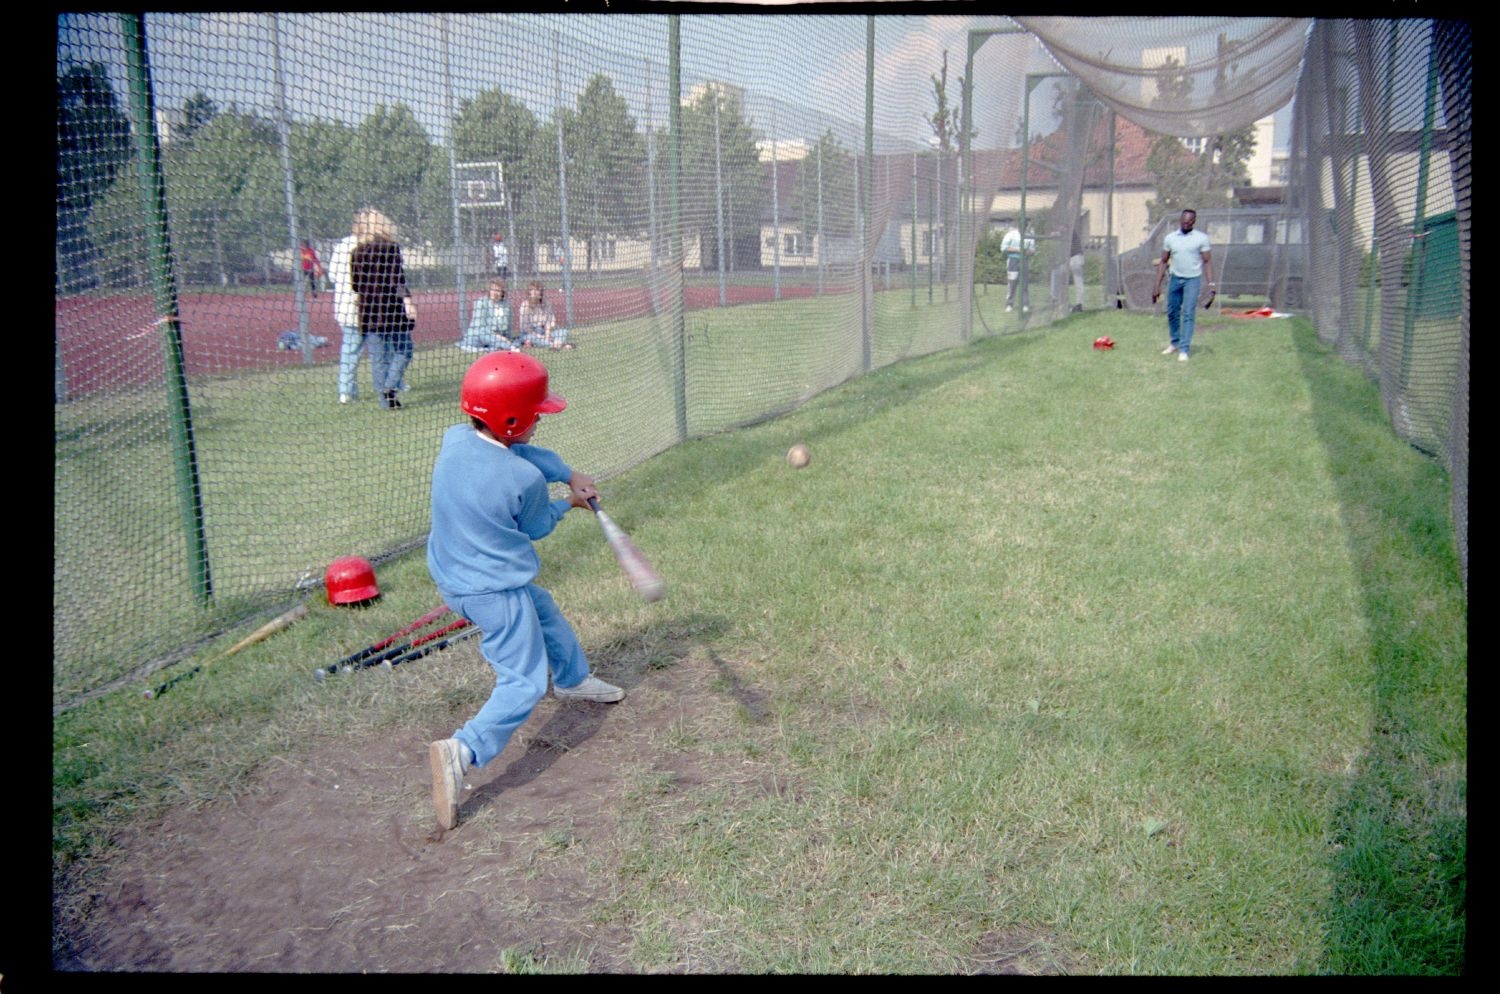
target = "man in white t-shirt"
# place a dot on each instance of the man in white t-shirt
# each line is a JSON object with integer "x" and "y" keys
{"x": 1188, "y": 255}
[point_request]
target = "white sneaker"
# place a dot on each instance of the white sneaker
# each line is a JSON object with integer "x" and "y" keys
{"x": 448, "y": 758}
{"x": 344, "y": 398}
{"x": 591, "y": 689}
{"x": 1026, "y": 310}
{"x": 1182, "y": 357}
{"x": 1169, "y": 350}
{"x": 1008, "y": 308}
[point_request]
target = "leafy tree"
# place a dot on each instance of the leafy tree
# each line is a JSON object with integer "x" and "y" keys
{"x": 989, "y": 259}
{"x": 213, "y": 234}
{"x": 744, "y": 182}
{"x": 116, "y": 231}
{"x": 606, "y": 167}
{"x": 436, "y": 202}
{"x": 947, "y": 131}
{"x": 839, "y": 219}
{"x": 494, "y": 127}
{"x": 947, "y": 122}
{"x": 325, "y": 204}
{"x": 607, "y": 164}
{"x": 93, "y": 145}
{"x": 216, "y": 230}
{"x": 387, "y": 157}
{"x": 1186, "y": 180}
{"x": 196, "y": 112}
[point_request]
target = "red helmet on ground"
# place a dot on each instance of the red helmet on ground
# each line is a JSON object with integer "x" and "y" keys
{"x": 508, "y": 391}
{"x": 349, "y": 580}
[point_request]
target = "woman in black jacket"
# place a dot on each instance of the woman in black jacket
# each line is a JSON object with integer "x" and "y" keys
{"x": 387, "y": 313}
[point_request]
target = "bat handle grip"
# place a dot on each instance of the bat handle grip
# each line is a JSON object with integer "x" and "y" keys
{"x": 594, "y": 503}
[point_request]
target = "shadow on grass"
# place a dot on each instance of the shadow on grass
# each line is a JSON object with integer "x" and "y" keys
{"x": 1400, "y": 869}
{"x": 625, "y": 661}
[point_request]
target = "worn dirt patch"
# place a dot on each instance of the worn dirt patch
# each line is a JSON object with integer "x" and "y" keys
{"x": 333, "y": 863}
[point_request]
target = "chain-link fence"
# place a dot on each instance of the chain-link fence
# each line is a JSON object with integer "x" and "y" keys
{"x": 722, "y": 224}
{"x": 1381, "y": 161}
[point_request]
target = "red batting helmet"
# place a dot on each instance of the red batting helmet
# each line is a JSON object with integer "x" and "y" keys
{"x": 349, "y": 580}
{"x": 508, "y": 391}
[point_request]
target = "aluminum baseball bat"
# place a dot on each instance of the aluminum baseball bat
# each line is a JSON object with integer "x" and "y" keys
{"x": 638, "y": 570}
{"x": 321, "y": 672}
{"x": 386, "y": 642}
{"x": 434, "y": 647}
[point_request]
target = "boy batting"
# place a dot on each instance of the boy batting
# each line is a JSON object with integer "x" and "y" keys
{"x": 489, "y": 504}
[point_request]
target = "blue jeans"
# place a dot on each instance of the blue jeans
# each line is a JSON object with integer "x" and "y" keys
{"x": 538, "y": 338}
{"x": 1013, "y": 278}
{"x": 389, "y": 355}
{"x": 1182, "y": 310}
{"x": 349, "y": 361}
{"x": 524, "y": 637}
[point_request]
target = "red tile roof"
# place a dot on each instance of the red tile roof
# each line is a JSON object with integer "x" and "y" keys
{"x": 1132, "y": 148}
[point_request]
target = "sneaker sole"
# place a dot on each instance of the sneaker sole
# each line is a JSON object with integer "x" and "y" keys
{"x": 591, "y": 698}
{"x": 444, "y": 799}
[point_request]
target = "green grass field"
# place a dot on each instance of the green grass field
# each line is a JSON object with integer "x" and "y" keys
{"x": 290, "y": 480}
{"x": 1150, "y": 667}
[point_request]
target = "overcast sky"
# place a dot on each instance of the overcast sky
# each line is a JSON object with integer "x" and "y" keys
{"x": 802, "y": 74}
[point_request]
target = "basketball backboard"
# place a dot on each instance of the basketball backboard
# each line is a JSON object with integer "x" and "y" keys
{"x": 480, "y": 184}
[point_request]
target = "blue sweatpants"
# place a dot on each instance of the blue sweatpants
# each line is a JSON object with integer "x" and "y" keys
{"x": 524, "y": 636}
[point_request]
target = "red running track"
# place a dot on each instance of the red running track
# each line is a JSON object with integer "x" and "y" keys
{"x": 110, "y": 342}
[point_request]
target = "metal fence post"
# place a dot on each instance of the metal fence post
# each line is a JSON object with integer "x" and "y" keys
{"x": 674, "y": 109}
{"x": 866, "y": 282}
{"x": 289, "y": 185}
{"x": 153, "y": 194}
{"x": 458, "y": 235}
{"x": 651, "y": 274}
{"x": 719, "y": 196}
{"x": 562, "y": 184}
{"x": 775, "y": 211}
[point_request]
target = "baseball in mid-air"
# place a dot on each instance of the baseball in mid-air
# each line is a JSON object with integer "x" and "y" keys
{"x": 798, "y": 456}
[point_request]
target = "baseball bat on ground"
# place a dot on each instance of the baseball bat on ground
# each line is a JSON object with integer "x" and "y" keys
{"x": 434, "y": 647}
{"x": 262, "y": 633}
{"x": 642, "y": 575}
{"x": 376, "y": 660}
{"x": 386, "y": 642}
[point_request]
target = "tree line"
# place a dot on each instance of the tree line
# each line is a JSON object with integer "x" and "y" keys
{"x": 226, "y": 185}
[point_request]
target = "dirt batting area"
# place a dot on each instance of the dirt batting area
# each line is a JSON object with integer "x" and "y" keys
{"x": 332, "y": 862}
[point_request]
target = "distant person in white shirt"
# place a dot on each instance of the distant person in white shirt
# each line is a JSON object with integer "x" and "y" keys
{"x": 1013, "y": 245}
{"x": 501, "y": 252}
{"x": 346, "y": 312}
{"x": 1188, "y": 255}
{"x": 1072, "y": 266}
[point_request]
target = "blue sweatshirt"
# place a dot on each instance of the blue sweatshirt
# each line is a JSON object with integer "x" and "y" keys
{"x": 489, "y": 504}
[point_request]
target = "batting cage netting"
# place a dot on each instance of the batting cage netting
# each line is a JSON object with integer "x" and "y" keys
{"x": 697, "y": 221}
